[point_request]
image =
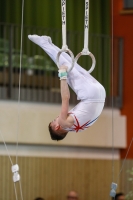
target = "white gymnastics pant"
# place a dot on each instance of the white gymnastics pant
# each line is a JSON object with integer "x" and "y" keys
{"x": 83, "y": 84}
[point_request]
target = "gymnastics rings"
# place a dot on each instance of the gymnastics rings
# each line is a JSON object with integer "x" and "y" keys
{"x": 89, "y": 54}
{"x": 72, "y": 57}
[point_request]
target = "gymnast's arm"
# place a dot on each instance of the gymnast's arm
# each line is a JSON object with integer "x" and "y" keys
{"x": 64, "y": 120}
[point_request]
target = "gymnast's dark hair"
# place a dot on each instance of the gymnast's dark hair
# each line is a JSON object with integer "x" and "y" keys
{"x": 54, "y": 135}
{"x": 118, "y": 195}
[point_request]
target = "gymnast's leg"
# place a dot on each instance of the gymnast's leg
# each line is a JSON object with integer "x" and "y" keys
{"x": 45, "y": 41}
{"x": 77, "y": 78}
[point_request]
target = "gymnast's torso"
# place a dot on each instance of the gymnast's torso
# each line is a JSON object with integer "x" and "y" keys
{"x": 84, "y": 115}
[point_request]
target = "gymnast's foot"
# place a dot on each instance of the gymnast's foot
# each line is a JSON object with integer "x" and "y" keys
{"x": 40, "y": 40}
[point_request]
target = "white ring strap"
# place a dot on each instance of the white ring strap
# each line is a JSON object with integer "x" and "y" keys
{"x": 63, "y": 6}
{"x": 92, "y": 57}
{"x": 86, "y": 26}
{"x": 72, "y": 57}
{"x": 64, "y": 45}
{"x": 85, "y": 50}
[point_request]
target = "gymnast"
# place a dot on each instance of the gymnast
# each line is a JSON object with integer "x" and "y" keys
{"x": 88, "y": 90}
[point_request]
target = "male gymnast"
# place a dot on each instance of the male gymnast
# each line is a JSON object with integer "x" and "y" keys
{"x": 88, "y": 90}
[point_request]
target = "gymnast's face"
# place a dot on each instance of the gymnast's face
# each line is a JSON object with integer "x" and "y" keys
{"x": 55, "y": 125}
{"x": 121, "y": 197}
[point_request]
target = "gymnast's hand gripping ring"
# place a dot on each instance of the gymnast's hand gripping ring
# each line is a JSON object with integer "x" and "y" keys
{"x": 72, "y": 57}
{"x": 92, "y": 57}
